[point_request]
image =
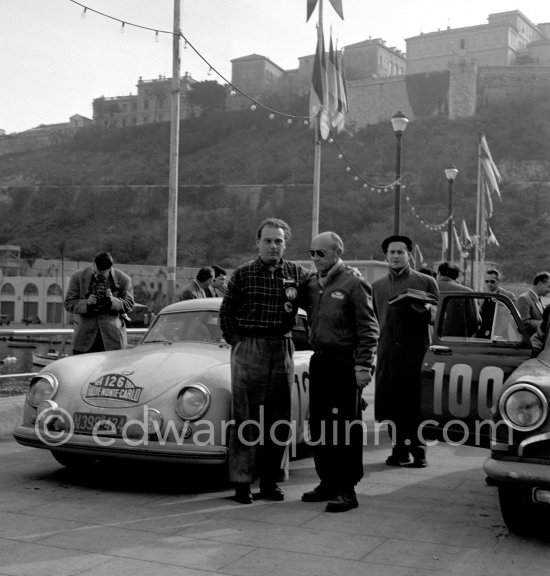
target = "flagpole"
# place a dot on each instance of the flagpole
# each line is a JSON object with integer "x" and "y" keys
{"x": 480, "y": 201}
{"x": 317, "y": 149}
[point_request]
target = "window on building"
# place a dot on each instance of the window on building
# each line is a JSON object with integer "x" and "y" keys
{"x": 8, "y": 290}
{"x": 462, "y": 43}
{"x": 146, "y": 104}
{"x": 30, "y": 290}
{"x": 54, "y": 290}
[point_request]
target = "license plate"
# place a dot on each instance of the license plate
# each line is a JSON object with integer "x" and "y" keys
{"x": 106, "y": 424}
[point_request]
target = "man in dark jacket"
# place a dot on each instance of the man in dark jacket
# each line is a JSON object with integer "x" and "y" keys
{"x": 343, "y": 332}
{"x": 99, "y": 296}
{"x": 404, "y": 339}
{"x": 461, "y": 314}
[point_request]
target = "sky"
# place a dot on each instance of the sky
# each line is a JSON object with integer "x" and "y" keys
{"x": 54, "y": 62}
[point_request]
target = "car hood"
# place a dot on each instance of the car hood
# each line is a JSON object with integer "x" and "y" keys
{"x": 136, "y": 376}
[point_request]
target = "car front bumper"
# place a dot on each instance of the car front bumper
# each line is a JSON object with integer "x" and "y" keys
{"x": 137, "y": 449}
{"x": 505, "y": 471}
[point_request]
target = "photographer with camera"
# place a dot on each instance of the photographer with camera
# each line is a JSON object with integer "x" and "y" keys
{"x": 99, "y": 297}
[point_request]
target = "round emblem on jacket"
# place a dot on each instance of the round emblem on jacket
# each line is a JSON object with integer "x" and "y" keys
{"x": 288, "y": 307}
{"x": 291, "y": 293}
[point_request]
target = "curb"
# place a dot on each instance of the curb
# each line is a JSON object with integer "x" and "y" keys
{"x": 11, "y": 414}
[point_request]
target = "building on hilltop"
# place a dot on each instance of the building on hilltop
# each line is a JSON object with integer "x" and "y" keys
{"x": 508, "y": 39}
{"x": 152, "y": 103}
{"x": 255, "y": 75}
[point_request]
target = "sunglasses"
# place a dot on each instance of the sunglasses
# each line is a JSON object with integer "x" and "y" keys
{"x": 490, "y": 281}
{"x": 320, "y": 253}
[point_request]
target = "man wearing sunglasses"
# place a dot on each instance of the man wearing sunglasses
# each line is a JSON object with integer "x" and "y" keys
{"x": 344, "y": 333}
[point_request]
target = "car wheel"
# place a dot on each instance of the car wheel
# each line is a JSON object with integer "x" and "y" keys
{"x": 521, "y": 515}
{"x": 72, "y": 460}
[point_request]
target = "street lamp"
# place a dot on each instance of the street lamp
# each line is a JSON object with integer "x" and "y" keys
{"x": 451, "y": 172}
{"x": 399, "y": 122}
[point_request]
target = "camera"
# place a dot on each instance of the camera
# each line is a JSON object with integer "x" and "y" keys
{"x": 99, "y": 289}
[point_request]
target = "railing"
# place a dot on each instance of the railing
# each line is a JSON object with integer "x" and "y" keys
{"x": 35, "y": 334}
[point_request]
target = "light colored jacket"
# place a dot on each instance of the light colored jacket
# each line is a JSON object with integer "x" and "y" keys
{"x": 87, "y": 323}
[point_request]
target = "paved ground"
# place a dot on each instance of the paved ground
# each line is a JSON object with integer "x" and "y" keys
{"x": 439, "y": 521}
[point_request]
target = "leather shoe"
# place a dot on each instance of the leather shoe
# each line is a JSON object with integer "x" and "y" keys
{"x": 419, "y": 463}
{"x": 243, "y": 495}
{"x": 272, "y": 493}
{"x": 319, "y": 494}
{"x": 342, "y": 503}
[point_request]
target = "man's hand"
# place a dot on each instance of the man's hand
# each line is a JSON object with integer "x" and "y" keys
{"x": 363, "y": 377}
{"x": 92, "y": 300}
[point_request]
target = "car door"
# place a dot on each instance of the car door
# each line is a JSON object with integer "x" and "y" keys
{"x": 465, "y": 367}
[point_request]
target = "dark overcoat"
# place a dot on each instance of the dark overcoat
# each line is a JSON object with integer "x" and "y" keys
{"x": 404, "y": 339}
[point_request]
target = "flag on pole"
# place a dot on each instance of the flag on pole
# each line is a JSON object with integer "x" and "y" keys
{"x": 336, "y": 4}
{"x": 318, "y": 94}
{"x": 310, "y": 8}
{"x": 444, "y": 242}
{"x": 491, "y": 238}
{"x": 418, "y": 254}
{"x": 465, "y": 235}
{"x": 488, "y": 200}
{"x": 332, "y": 82}
{"x": 339, "y": 118}
{"x": 490, "y": 169}
{"x": 457, "y": 240}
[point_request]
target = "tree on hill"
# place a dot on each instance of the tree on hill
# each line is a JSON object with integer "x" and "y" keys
{"x": 207, "y": 96}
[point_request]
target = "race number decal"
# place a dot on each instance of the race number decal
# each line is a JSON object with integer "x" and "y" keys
{"x": 459, "y": 400}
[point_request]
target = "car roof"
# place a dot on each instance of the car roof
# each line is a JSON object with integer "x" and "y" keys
{"x": 193, "y": 304}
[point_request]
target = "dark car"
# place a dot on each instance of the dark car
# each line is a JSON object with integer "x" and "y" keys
{"x": 5, "y": 319}
{"x": 485, "y": 389}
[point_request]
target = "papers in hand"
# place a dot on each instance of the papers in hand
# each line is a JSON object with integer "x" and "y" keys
{"x": 412, "y": 296}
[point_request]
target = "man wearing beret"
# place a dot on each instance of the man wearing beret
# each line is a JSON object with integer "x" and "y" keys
{"x": 404, "y": 339}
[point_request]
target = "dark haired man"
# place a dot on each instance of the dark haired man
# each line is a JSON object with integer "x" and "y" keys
{"x": 404, "y": 339}
{"x": 257, "y": 316}
{"x": 218, "y": 286}
{"x": 461, "y": 315}
{"x": 530, "y": 305}
{"x": 99, "y": 297}
{"x": 198, "y": 287}
{"x": 487, "y": 309}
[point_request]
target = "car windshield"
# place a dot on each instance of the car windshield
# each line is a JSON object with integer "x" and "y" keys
{"x": 189, "y": 326}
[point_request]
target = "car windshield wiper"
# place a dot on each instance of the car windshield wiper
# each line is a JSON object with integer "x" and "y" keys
{"x": 157, "y": 341}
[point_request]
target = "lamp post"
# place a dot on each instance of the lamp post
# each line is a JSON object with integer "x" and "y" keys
{"x": 451, "y": 172}
{"x": 399, "y": 123}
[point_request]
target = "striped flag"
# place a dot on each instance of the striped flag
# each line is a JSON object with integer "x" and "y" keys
{"x": 490, "y": 169}
{"x": 339, "y": 119}
{"x": 332, "y": 82}
{"x": 318, "y": 94}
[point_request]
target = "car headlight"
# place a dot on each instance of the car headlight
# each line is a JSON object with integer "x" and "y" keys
{"x": 523, "y": 407}
{"x": 42, "y": 387}
{"x": 193, "y": 401}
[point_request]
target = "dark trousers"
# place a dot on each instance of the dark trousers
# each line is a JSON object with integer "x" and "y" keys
{"x": 335, "y": 418}
{"x": 406, "y": 438}
{"x": 262, "y": 373}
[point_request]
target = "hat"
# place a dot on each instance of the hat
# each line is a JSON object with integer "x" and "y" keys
{"x": 397, "y": 238}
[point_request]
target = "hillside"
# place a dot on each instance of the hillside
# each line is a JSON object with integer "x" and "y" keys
{"x": 107, "y": 188}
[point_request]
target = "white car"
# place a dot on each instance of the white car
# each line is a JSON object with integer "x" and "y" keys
{"x": 167, "y": 399}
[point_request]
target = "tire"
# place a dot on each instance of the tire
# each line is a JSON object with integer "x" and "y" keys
{"x": 521, "y": 515}
{"x": 73, "y": 461}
